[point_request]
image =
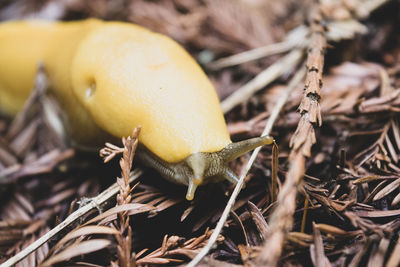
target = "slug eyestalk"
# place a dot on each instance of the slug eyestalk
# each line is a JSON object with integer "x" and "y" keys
{"x": 203, "y": 167}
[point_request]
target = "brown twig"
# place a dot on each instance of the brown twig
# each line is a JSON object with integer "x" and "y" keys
{"x": 110, "y": 151}
{"x": 174, "y": 245}
{"x": 274, "y": 171}
{"x": 124, "y": 238}
{"x": 281, "y": 220}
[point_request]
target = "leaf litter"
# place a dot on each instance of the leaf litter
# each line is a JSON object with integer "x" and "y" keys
{"x": 335, "y": 199}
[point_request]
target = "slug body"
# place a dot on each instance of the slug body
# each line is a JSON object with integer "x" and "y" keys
{"x": 111, "y": 77}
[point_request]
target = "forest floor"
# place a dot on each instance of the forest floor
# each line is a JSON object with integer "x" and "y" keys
{"x": 321, "y": 77}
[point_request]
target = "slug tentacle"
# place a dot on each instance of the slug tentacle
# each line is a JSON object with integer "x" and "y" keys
{"x": 191, "y": 190}
{"x": 229, "y": 175}
{"x": 198, "y": 163}
{"x": 235, "y": 150}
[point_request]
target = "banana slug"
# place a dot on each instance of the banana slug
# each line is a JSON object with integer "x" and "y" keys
{"x": 110, "y": 77}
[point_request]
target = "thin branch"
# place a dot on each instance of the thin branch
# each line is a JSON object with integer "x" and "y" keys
{"x": 257, "y": 53}
{"x": 124, "y": 238}
{"x": 281, "y": 220}
{"x": 274, "y": 115}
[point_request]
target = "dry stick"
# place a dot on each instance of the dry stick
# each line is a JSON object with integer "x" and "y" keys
{"x": 297, "y": 37}
{"x": 124, "y": 239}
{"x": 96, "y": 202}
{"x": 261, "y": 80}
{"x": 274, "y": 115}
{"x": 274, "y": 171}
{"x": 304, "y": 219}
{"x": 254, "y": 54}
{"x": 281, "y": 220}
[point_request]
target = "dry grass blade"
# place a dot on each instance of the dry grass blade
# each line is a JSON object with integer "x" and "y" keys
{"x": 389, "y": 102}
{"x": 317, "y": 249}
{"x": 132, "y": 208}
{"x": 394, "y": 259}
{"x": 43, "y": 164}
{"x": 387, "y": 189}
{"x": 155, "y": 197}
{"x": 332, "y": 230}
{"x": 371, "y": 178}
{"x": 254, "y": 54}
{"x": 378, "y": 213}
{"x": 378, "y": 253}
{"x": 74, "y": 238}
{"x": 258, "y": 219}
{"x": 396, "y": 200}
{"x": 76, "y": 250}
{"x": 84, "y": 231}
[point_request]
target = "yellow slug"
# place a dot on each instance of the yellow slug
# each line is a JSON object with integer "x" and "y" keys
{"x": 110, "y": 77}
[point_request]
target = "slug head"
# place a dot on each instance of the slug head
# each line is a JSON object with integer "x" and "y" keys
{"x": 205, "y": 167}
